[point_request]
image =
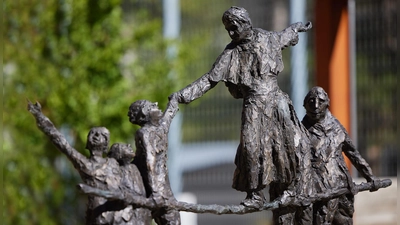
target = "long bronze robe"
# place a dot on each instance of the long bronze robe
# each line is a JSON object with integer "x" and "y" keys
{"x": 272, "y": 143}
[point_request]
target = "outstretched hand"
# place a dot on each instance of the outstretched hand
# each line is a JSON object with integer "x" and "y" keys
{"x": 35, "y": 109}
{"x": 174, "y": 97}
{"x": 374, "y": 185}
{"x": 299, "y": 27}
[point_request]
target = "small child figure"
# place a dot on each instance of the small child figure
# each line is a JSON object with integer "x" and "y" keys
{"x": 151, "y": 154}
{"x": 95, "y": 171}
{"x": 131, "y": 181}
{"x": 329, "y": 139}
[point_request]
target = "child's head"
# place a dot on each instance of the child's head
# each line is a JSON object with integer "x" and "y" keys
{"x": 143, "y": 111}
{"x": 98, "y": 140}
{"x": 123, "y": 153}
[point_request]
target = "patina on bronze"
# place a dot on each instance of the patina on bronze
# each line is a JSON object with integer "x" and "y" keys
{"x": 151, "y": 155}
{"x": 132, "y": 183}
{"x": 228, "y": 209}
{"x": 273, "y": 143}
{"x": 329, "y": 139}
{"x": 301, "y": 162}
{"x": 99, "y": 172}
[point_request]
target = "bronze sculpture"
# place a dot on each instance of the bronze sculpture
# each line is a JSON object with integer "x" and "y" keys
{"x": 330, "y": 139}
{"x": 131, "y": 181}
{"x": 249, "y": 66}
{"x": 301, "y": 164}
{"x": 96, "y": 171}
{"x": 151, "y": 155}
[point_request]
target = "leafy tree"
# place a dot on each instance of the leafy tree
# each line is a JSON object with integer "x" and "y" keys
{"x": 85, "y": 65}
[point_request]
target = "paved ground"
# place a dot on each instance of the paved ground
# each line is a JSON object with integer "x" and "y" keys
{"x": 377, "y": 208}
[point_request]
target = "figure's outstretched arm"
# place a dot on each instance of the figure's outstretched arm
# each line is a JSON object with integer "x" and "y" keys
{"x": 171, "y": 110}
{"x": 294, "y": 200}
{"x": 291, "y": 199}
{"x": 300, "y": 27}
{"x": 150, "y": 203}
{"x": 358, "y": 161}
{"x": 290, "y": 37}
{"x": 195, "y": 90}
{"x": 208, "y": 81}
{"x": 48, "y": 128}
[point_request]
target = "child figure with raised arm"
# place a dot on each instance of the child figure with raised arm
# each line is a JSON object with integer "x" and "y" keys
{"x": 151, "y": 154}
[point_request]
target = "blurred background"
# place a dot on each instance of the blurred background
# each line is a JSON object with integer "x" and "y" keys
{"x": 85, "y": 61}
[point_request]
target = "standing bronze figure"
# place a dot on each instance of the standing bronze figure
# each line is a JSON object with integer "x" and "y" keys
{"x": 329, "y": 139}
{"x": 300, "y": 162}
{"x": 271, "y": 135}
{"x": 151, "y": 155}
{"x": 131, "y": 182}
{"x": 95, "y": 171}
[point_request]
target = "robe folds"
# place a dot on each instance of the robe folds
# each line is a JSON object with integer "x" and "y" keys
{"x": 273, "y": 145}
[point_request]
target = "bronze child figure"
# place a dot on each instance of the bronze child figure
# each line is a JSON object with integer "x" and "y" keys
{"x": 151, "y": 155}
{"x": 329, "y": 139}
{"x": 95, "y": 171}
{"x": 131, "y": 182}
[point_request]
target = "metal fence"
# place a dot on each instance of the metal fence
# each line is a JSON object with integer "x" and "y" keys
{"x": 377, "y": 87}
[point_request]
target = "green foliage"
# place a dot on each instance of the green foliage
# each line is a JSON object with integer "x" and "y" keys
{"x": 85, "y": 66}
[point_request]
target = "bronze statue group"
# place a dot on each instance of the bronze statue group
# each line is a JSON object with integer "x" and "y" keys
{"x": 300, "y": 161}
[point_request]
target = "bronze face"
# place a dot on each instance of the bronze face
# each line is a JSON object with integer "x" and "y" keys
{"x": 237, "y": 31}
{"x": 316, "y": 104}
{"x": 98, "y": 137}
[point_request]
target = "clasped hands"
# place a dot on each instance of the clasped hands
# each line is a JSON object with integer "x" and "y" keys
{"x": 174, "y": 99}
